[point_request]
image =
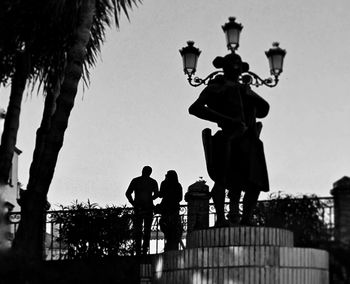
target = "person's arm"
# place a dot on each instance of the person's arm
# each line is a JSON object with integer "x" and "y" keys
{"x": 180, "y": 193}
{"x": 155, "y": 191}
{"x": 161, "y": 191}
{"x": 129, "y": 192}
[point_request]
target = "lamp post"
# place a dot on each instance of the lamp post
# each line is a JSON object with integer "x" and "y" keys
{"x": 232, "y": 30}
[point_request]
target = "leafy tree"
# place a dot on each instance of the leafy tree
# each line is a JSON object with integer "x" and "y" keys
{"x": 87, "y": 20}
{"x": 88, "y": 231}
{"x": 36, "y": 36}
{"x": 23, "y": 57}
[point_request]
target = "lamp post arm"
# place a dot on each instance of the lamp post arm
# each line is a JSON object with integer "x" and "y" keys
{"x": 253, "y": 79}
{"x": 196, "y": 81}
{"x": 258, "y": 81}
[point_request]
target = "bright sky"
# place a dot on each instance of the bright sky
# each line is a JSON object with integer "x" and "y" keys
{"x": 135, "y": 110}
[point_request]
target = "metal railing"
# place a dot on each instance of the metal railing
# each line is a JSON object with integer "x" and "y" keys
{"x": 56, "y": 249}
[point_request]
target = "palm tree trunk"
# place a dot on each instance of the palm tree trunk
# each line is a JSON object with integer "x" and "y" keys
{"x": 43, "y": 130}
{"x": 11, "y": 125}
{"x": 29, "y": 237}
{"x": 41, "y": 134}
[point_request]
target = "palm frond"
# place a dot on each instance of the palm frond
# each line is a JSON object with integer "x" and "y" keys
{"x": 46, "y": 29}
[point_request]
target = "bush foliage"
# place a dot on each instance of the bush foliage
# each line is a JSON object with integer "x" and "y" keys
{"x": 87, "y": 230}
{"x": 303, "y": 215}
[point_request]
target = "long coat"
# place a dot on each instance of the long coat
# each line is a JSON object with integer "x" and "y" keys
{"x": 236, "y": 160}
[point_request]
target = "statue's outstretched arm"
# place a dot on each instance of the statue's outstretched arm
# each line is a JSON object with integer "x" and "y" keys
{"x": 201, "y": 110}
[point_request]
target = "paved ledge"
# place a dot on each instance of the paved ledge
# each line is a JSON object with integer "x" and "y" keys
{"x": 240, "y": 236}
{"x": 241, "y": 256}
{"x": 243, "y": 275}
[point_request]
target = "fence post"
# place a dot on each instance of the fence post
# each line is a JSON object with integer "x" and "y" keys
{"x": 197, "y": 198}
{"x": 341, "y": 196}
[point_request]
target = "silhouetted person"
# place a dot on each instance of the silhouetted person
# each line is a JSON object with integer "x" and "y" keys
{"x": 170, "y": 222}
{"x": 145, "y": 189}
{"x": 234, "y": 155}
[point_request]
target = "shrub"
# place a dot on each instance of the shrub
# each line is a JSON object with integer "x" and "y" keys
{"x": 87, "y": 230}
{"x": 302, "y": 215}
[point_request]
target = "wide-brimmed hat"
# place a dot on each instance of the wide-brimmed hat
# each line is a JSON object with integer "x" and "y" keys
{"x": 228, "y": 60}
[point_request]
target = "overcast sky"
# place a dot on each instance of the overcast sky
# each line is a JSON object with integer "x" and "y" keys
{"x": 135, "y": 111}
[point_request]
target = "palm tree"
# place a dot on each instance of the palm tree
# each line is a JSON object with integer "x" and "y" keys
{"x": 15, "y": 65}
{"x": 26, "y": 55}
{"x": 83, "y": 44}
{"x": 11, "y": 124}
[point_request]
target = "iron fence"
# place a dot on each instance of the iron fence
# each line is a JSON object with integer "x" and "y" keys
{"x": 55, "y": 249}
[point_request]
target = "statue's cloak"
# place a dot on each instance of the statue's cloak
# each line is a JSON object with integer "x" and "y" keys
{"x": 237, "y": 160}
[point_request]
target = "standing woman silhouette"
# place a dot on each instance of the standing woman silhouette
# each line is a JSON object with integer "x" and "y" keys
{"x": 170, "y": 222}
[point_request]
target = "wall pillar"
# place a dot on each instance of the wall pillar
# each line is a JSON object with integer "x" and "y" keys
{"x": 341, "y": 196}
{"x": 197, "y": 198}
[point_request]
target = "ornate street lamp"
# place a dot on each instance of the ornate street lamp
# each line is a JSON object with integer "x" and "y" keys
{"x": 232, "y": 31}
{"x": 276, "y": 56}
{"x": 190, "y": 56}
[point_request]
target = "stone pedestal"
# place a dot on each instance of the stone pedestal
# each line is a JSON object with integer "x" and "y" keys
{"x": 341, "y": 194}
{"x": 197, "y": 198}
{"x": 241, "y": 255}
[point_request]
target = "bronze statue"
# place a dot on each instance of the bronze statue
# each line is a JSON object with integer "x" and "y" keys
{"x": 234, "y": 155}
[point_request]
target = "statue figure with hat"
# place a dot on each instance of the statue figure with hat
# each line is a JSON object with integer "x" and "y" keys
{"x": 234, "y": 154}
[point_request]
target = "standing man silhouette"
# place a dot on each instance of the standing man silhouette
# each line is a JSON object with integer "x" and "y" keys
{"x": 145, "y": 190}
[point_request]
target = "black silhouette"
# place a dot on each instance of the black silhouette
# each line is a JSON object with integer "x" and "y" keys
{"x": 145, "y": 189}
{"x": 234, "y": 155}
{"x": 170, "y": 222}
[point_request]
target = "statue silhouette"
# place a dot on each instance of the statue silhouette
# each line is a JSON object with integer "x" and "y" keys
{"x": 234, "y": 155}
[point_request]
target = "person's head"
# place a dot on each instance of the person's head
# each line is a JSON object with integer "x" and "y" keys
{"x": 232, "y": 65}
{"x": 171, "y": 176}
{"x": 146, "y": 171}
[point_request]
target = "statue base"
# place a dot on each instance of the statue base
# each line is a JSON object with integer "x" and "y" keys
{"x": 241, "y": 255}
